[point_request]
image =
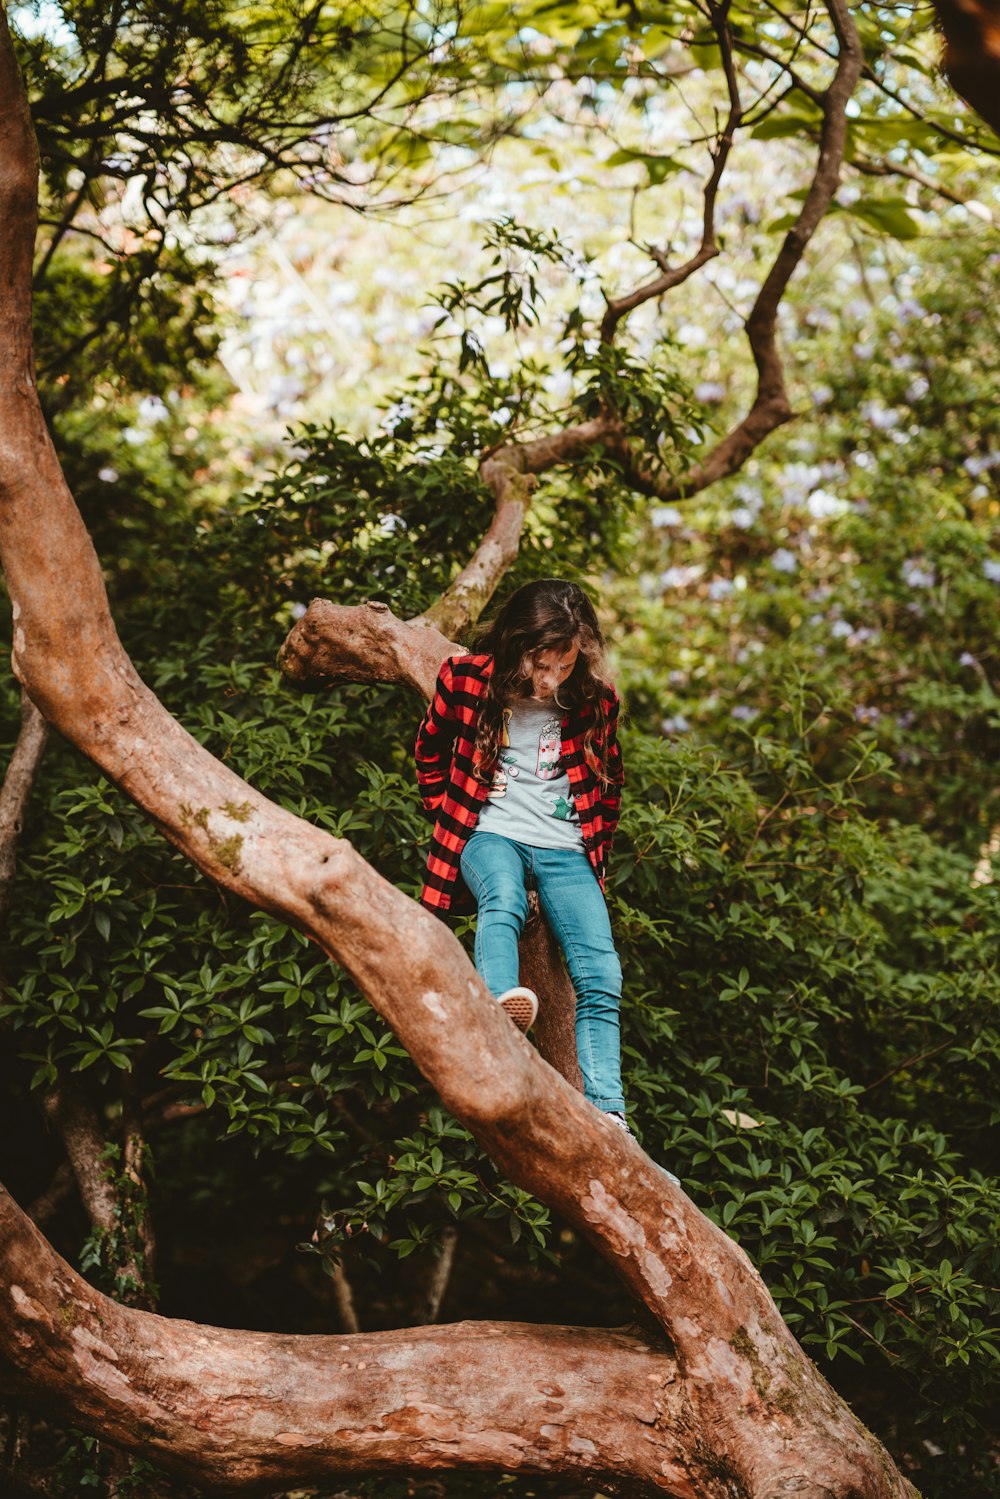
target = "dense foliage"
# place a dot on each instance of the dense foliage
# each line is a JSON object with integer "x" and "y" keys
{"x": 809, "y": 654}
{"x": 810, "y": 1022}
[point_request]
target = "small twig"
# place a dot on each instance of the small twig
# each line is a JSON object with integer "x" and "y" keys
{"x": 918, "y": 1056}
{"x": 865, "y": 1333}
{"x": 438, "y": 1284}
{"x": 760, "y": 825}
{"x": 898, "y": 169}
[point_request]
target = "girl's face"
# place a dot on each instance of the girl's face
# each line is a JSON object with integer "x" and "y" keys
{"x": 548, "y": 670}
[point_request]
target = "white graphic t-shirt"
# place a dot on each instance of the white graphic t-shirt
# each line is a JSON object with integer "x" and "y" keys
{"x": 530, "y": 800}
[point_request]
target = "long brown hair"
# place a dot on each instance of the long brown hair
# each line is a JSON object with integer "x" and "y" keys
{"x": 548, "y": 614}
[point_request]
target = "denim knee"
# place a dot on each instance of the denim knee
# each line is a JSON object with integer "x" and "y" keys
{"x": 504, "y": 898}
{"x": 497, "y": 891}
{"x": 596, "y": 975}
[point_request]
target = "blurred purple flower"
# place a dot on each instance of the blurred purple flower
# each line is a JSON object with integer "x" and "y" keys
{"x": 680, "y": 577}
{"x": 710, "y": 392}
{"x": 915, "y": 575}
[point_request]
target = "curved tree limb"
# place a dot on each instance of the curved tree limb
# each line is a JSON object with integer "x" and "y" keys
{"x": 752, "y": 1412}
{"x": 234, "y": 1410}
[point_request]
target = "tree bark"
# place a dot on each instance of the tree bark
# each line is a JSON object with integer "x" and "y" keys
{"x": 240, "y": 1410}
{"x": 16, "y": 791}
{"x": 70, "y": 1111}
{"x": 742, "y": 1409}
{"x": 972, "y": 54}
{"x": 362, "y": 643}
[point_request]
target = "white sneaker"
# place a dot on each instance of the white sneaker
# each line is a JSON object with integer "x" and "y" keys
{"x": 624, "y": 1125}
{"x": 521, "y": 1005}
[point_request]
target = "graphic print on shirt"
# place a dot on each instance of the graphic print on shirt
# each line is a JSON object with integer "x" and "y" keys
{"x": 506, "y": 763}
{"x": 549, "y": 749}
{"x": 561, "y": 808}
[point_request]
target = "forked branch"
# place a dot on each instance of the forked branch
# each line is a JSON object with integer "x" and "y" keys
{"x": 671, "y": 276}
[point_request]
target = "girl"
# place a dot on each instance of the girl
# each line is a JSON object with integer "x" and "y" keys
{"x": 518, "y": 761}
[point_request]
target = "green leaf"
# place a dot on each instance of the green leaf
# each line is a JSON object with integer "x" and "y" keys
{"x": 889, "y": 215}
{"x": 658, "y": 168}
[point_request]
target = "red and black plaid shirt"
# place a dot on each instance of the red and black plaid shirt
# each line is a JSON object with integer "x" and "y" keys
{"x": 445, "y": 756}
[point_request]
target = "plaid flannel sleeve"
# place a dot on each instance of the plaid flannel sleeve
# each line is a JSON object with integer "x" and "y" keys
{"x": 432, "y": 751}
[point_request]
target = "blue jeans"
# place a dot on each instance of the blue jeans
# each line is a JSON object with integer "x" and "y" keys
{"x": 496, "y": 870}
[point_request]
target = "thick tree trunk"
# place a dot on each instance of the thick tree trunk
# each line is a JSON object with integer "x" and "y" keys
{"x": 741, "y": 1410}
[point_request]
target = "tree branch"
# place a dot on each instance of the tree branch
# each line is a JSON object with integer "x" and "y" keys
{"x": 910, "y": 174}
{"x": 16, "y": 791}
{"x": 344, "y": 1297}
{"x": 441, "y": 1275}
{"x": 45, "y": 1205}
{"x": 771, "y": 407}
{"x": 72, "y": 1114}
{"x": 509, "y": 472}
{"x": 708, "y": 249}
{"x": 972, "y": 53}
{"x": 230, "y": 1410}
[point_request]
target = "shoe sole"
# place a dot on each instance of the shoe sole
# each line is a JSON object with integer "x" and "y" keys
{"x": 521, "y": 1009}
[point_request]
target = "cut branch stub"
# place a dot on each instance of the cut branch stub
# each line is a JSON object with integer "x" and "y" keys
{"x": 362, "y": 643}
